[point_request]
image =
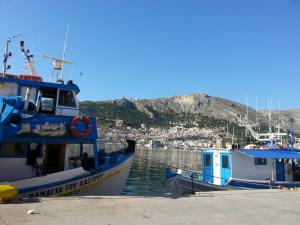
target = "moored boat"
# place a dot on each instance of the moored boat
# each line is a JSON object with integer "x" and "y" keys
{"x": 224, "y": 169}
{"x": 47, "y": 148}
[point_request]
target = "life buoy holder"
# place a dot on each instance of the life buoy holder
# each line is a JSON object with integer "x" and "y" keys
{"x": 30, "y": 77}
{"x": 88, "y": 123}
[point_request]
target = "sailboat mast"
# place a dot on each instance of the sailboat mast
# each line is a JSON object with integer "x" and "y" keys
{"x": 64, "y": 53}
{"x": 280, "y": 115}
{"x": 270, "y": 114}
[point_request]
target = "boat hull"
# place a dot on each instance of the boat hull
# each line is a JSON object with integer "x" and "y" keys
{"x": 180, "y": 185}
{"x": 255, "y": 184}
{"x": 183, "y": 185}
{"x": 105, "y": 181}
{"x": 112, "y": 183}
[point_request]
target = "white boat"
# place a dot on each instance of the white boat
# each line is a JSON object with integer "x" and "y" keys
{"x": 224, "y": 169}
{"x": 47, "y": 148}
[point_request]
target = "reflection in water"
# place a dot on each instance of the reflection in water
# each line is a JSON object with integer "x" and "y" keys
{"x": 148, "y": 178}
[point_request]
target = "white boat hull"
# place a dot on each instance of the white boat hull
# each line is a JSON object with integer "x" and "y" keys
{"x": 76, "y": 182}
{"x": 112, "y": 184}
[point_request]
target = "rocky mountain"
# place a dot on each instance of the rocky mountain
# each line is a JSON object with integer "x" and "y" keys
{"x": 198, "y": 103}
{"x": 198, "y": 109}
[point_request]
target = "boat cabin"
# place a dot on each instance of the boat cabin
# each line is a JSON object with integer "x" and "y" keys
{"x": 221, "y": 165}
{"x": 41, "y": 132}
{"x": 44, "y": 97}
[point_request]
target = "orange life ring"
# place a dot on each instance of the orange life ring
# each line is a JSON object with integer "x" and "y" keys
{"x": 87, "y": 122}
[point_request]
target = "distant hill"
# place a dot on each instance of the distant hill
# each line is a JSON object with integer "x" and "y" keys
{"x": 196, "y": 109}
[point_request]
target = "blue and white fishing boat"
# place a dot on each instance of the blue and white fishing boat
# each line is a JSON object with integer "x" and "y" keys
{"x": 46, "y": 148}
{"x": 225, "y": 169}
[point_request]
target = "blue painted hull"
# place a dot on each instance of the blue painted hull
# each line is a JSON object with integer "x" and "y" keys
{"x": 186, "y": 185}
{"x": 254, "y": 184}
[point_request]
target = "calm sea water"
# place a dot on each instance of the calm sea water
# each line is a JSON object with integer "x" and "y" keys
{"x": 147, "y": 177}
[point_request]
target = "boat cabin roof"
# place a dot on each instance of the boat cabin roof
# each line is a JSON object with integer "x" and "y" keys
{"x": 272, "y": 153}
{"x": 38, "y": 84}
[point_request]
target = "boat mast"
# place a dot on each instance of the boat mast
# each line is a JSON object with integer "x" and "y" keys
{"x": 247, "y": 119}
{"x": 58, "y": 64}
{"x": 256, "y": 118}
{"x": 247, "y": 110}
{"x": 279, "y": 123}
{"x": 270, "y": 115}
{"x": 64, "y": 54}
{"x": 28, "y": 58}
{"x": 7, "y": 54}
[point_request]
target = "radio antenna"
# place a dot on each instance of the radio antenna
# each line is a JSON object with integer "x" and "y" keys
{"x": 8, "y": 54}
{"x": 29, "y": 58}
{"x": 64, "y": 51}
{"x": 59, "y": 63}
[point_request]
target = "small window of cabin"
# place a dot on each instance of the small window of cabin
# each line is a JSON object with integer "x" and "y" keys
{"x": 13, "y": 149}
{"x": 207, "y": 160}
{"x": 47, "y": 104}
{"x": 8, "y": 89}
{"x": 66, "y": 98}
{"x": 225, "y": 161}
{"x": 48, "y": 100}
{"x": 260, "y": 161}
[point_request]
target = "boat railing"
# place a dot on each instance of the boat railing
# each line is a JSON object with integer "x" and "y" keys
{"x": 110, "y": 147}
{"x": 60, "y": 110}
{"x": 199, "y": 176}
{"x": 196, "y": 175}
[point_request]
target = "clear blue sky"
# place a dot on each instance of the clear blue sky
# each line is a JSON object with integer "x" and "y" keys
{"x": 157, "y": 48}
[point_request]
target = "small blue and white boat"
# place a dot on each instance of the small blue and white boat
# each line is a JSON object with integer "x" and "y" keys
{"x": 224, "y": 169}
{"x": 46, "y": 148}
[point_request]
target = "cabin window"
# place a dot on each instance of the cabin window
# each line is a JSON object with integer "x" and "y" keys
{"x": 47, "y": 104}
{"x": 260, "y": 161}
{"x": 207, "y": 160}
{"x": 48, "y": 100}
{"x": 225, "y": 161}
{"x": 13, "y": 150}
{"x": 66, "y": 98}
{"x": 8, "y": 89}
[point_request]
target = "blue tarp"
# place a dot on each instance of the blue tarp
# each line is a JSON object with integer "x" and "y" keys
{"x": 272, "y": 153}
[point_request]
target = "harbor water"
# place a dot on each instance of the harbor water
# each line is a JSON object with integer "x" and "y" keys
{"x": 147, "y": 175}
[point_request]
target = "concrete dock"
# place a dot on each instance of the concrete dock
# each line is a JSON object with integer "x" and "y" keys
{"x": 227, "y": 207}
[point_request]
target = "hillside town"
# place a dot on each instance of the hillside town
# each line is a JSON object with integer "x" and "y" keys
{"x": 168, "y": 138}
{"x": 183, "y": 137}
